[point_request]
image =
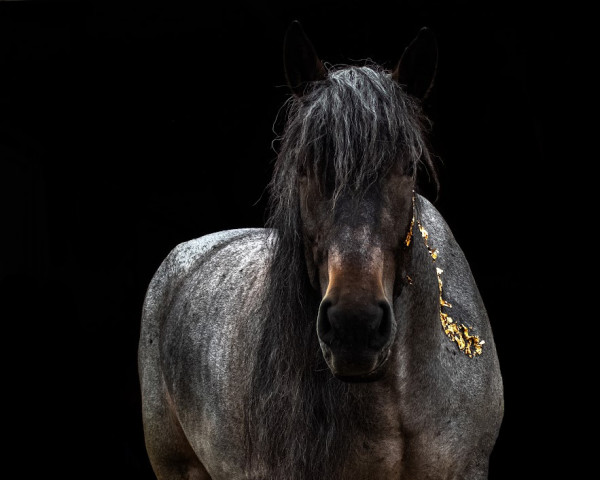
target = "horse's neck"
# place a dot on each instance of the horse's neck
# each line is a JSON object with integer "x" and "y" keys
{"x": 417, "y": 308}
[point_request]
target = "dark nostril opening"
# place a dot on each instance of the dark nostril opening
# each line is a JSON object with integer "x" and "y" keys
{"x": 324, "y": 328}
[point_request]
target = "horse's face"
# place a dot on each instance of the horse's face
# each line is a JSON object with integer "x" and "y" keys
{"x": 353, "y": 243}
{"x": 353, "y": 247}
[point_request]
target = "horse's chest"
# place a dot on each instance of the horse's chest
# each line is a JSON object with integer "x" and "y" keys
{"x": 378, "y": 458}
{"x": 375, "y": 445}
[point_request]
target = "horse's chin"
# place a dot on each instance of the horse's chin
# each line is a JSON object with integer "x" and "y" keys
{"x": 349, "y": 372}
{"x": 372, "y": 376}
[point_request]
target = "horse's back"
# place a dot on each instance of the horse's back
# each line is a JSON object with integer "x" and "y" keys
{"x": 196, "y": 311}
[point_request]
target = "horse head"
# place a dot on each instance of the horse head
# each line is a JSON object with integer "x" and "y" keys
{"x": 355, "y": 184}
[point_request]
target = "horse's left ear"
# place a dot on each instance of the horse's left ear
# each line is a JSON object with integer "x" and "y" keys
{"x": 300, "y": 60}
{"x": 417, "y": 67}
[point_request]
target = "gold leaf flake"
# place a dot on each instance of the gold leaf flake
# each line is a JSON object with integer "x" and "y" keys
{"x": 444, "y": 303}
{"x": 410, "y": 232}
{"x": 424, "y": 233}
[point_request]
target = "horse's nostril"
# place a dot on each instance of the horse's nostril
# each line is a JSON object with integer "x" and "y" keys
{"x": 324, "y": 328}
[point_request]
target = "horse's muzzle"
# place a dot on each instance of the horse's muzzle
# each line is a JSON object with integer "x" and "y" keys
{"x": 355, "y": 337}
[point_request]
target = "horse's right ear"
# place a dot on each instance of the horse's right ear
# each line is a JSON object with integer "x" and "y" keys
{"x": 300, "y": 60}
{"x": 417, "y": 67}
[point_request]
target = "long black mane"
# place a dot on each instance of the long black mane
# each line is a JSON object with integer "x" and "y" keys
{"x": 354, "y": 125}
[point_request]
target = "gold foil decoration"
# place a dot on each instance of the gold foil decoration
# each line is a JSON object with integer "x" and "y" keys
{"x": 409, "y": 234}
{"x": 469, "y": 344}
{"x": 444, "y": 303}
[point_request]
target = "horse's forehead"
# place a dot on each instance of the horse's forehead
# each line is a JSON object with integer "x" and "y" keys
{"x": 361, "y": 238}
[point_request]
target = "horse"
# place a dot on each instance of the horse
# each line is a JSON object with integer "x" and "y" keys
{"x": 346, "y": 339}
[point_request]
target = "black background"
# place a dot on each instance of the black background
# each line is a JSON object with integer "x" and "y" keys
{"x": 126, "y": 129}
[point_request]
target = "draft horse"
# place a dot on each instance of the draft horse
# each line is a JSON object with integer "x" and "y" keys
{"x": 345, "y": 340}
